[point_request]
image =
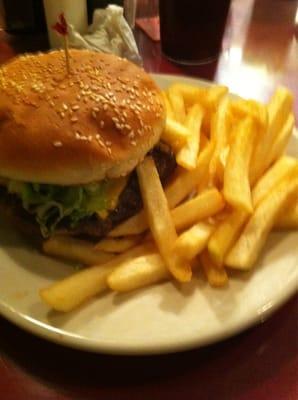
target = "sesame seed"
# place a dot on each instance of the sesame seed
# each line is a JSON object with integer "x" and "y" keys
{"x": 94, "y": 115}
{"x": 75, "y": 107}
{"x": 102, "y": 124}
{"x": 65, "y": 106}
{"x": 57, "y": 143}
{"x": 105, "y": 106}
{"x": 74, "y": 119}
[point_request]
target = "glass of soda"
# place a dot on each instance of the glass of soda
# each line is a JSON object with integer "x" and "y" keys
{"x": 192, "y": 30}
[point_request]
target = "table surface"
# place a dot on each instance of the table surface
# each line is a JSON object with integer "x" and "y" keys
{"x": 260, "y": 51}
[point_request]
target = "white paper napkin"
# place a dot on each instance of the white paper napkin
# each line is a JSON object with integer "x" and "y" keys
{"x": 109, "y": 33}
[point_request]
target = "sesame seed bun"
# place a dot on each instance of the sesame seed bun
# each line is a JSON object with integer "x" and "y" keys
{"x": 97, "y": 122}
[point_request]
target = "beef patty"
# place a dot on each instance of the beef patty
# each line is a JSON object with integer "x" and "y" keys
{"x": 129, "y": 203}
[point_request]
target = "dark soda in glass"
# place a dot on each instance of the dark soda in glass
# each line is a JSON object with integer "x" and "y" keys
{"x": 192, "y": 30}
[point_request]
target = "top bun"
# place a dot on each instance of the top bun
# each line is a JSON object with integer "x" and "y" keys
{"x": 97, "y": 122}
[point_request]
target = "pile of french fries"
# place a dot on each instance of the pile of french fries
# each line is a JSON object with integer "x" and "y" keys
{"x": 232, "y": 186}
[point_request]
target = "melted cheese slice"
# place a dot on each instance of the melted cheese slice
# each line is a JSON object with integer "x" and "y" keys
{"x": 114, "y": 190}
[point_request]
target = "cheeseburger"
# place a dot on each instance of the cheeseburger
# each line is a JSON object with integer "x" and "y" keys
{"x": 69, "y": 143}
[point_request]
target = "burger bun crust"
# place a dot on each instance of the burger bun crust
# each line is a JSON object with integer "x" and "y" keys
{"x": 97, "y": 122}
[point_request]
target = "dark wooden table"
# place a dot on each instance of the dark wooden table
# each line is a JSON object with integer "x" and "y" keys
{"x": 260, "y": 50}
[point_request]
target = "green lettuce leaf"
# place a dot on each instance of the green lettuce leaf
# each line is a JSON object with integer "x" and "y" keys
{"x": 50, "y": 204}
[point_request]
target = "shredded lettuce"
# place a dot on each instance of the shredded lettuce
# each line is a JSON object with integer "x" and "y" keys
{"x": 50, "y": 204}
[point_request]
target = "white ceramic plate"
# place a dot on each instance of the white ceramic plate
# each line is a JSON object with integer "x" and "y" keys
{"x": 159, "y": 319}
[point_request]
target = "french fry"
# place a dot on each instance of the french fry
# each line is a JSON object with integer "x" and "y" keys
{"x": 225, "y": 235}
{"x": 159, "y": 219}
{"x": 279, "y": 145}
{"x": 75, "y": 250}
{"x": 250, "y": 108}
{"x": 169, "y": 110}
{"x": 117, "y": 245}
{"x": 191, "y": 242}
{"x": 219, "y": 135}
{"x": 279, "y": 108}
{"x": 223, "y": 158}
{"x": 191, "y": 94}
{"x": 207, "y": 97}
{"x": 272, "y": 177}
{"x": 210, "y": 103}
{"x": 138, "y": 272}
{"x": 202, "y": 206}
{"x": 247, "y": 248}
{"x": 69, "y": 293}
{"x": 177, "y": 103}
{"x": 188, "y": 155}
{"x": 187, "y": 181}
{"x": 236, "y": 176}
{"x": 132, "y": 226}
{"x": 73, "y": 291}
{"x": 175, "y": 192}
{"x": 175, "y": 134}
{"x": 227, "y": 232}
{"x": 288, "y": 219}
{"x": 214, "y": 95}
{"x": 217, "y": 277}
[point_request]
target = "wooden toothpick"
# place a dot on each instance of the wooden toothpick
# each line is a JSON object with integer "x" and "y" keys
{"x": 61, "y": 28}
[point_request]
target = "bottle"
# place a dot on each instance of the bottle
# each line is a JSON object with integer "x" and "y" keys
{"x": 77, "y": 16}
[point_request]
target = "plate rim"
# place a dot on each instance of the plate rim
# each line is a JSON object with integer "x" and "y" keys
{"x": 78, "y": 342}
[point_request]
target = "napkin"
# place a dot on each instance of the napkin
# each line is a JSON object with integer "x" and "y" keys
{"x": 109, "y": 33}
